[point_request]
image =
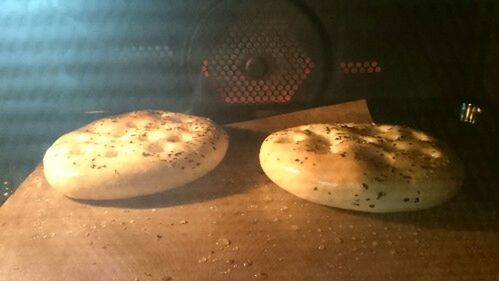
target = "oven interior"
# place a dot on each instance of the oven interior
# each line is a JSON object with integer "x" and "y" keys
{"x": 430, "y": 65}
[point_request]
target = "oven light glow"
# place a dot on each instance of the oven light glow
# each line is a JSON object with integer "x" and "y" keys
{"x": 469, "y": 113}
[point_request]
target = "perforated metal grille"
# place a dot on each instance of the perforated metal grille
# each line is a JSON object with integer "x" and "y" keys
{"x": 287, "y": 64}
{"x": 352, "y": 67}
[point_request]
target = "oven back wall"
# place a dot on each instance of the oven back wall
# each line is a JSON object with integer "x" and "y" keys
{"x": 65, "y": 63}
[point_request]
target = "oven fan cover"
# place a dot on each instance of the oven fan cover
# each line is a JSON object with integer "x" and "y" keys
{"x": 257, "y": 53}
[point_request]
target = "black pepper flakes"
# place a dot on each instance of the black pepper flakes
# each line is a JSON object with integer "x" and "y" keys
{"x": 372, "y": 206}
{"x": 380, "y": 194}
{"x": 406, "y": 199}
{"x": 365, "y": 186}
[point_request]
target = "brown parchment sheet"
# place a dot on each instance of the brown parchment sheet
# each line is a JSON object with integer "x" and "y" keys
{"x": 235, "y": 224}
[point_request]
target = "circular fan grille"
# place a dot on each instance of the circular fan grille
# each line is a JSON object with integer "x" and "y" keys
{"x": 285, "y": 65}
{"x": 261, "y": 57}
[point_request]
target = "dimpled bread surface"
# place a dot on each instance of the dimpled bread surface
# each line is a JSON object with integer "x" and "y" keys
{"x": 134, "y": 154}
{"x": 364, "y": 167}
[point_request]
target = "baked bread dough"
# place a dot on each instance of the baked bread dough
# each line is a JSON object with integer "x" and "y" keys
{"x": 134, "y": 154}
{"x": 365, "y": 167}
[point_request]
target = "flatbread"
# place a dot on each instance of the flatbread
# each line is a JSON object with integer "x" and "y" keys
{"x": 134, "y": 154}
{"x": 364, "y": 167}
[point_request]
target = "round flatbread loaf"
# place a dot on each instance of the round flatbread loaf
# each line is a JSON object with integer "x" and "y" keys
{"x": 365, "y": 167}
{"x": 134, "y": 154}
